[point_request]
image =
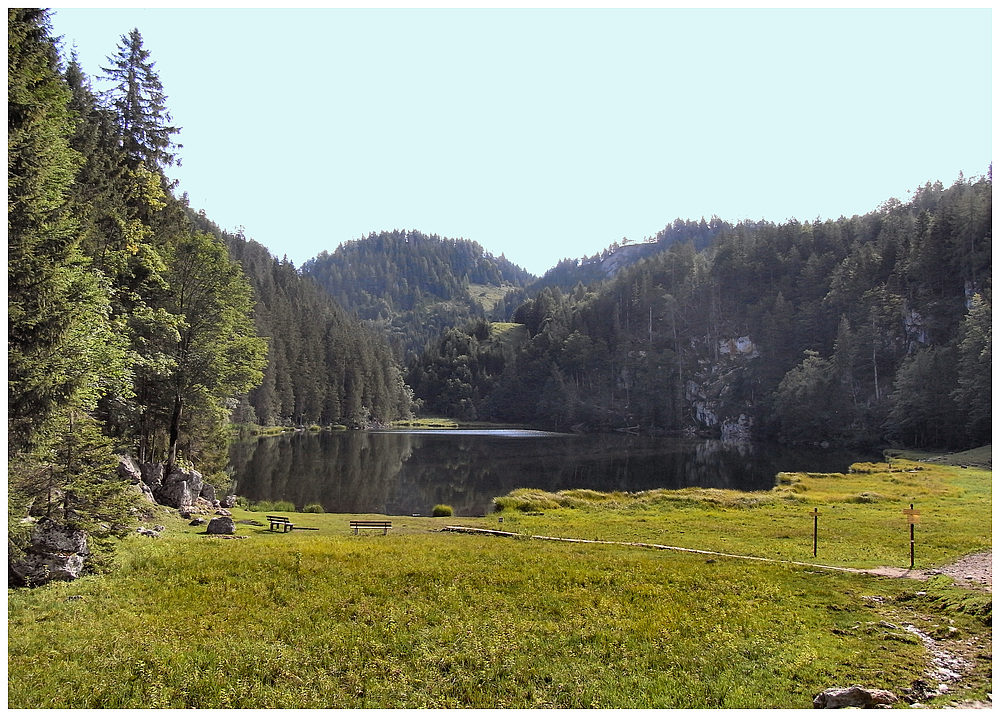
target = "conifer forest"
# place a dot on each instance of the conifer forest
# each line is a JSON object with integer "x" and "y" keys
{"x": 137, "y": 326}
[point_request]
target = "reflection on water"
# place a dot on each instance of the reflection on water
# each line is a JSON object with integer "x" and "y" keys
{"x": 408, "y": 472}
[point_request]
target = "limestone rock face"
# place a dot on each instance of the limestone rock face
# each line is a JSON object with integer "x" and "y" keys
{"x": 223, "y": 525}
{"x": 853, "y": 696}
{"x": 180, "y": 488}
{"x": 131, "y": 472}
{"x": 152, "y": 475}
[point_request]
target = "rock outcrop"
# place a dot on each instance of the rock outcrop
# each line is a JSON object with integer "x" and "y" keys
{"x": 56, "y": 552}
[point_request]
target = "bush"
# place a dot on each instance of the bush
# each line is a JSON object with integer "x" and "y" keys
{"x": 313, "y": 508}
{"x": 442, "y": 511}
{"x": 270, "y": 506}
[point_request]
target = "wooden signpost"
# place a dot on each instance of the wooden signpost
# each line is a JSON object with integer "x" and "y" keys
{"x": 912, "y": 517}
{"x": 815, "y": 515}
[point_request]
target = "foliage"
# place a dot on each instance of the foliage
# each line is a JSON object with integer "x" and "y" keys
{"x": 131, "y": 321}
{"x": 313, "y": 508}
{"x": 411, "y": 286}
{"x": 442, "y": 511}
{"x": 138, "y": 99}
{"x": 267, "y": 506}
{"x": 858, "y": 331}
{"x": 323, "y": 367}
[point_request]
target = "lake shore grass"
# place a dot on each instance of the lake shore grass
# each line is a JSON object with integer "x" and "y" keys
{"x": 427, "y": 618}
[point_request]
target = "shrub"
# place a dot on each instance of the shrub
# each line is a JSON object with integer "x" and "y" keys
{"x": 442, "y": 511}
{"x": 270, "y": 506}
{"x": 313, "y": 508}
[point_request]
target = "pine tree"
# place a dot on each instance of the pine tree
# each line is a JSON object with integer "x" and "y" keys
{"x": 49, "y": 289}
{"x": 138, "y": 99}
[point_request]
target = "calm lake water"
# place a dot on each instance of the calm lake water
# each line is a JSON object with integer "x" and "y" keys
{"x": 409, "y": 472}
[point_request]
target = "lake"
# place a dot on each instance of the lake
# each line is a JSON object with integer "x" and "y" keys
{"x": 408, "y": 472}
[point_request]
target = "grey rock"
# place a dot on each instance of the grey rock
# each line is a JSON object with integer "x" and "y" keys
{"x": 198, "y": 521}
{"x": 228, "y": 502}
{"x": 147, "y": 532}
{"x": 56, "y": 552}
{"x": 143, "y": 490}
{"x": 128, "y": 470}
{"x": 180, "y": 488}
{"x": 208, "y": 491}
{"x": 48, "y": 536}
{"x": 176, "y": 494}
{"x": 853, "y": 696}
{"x": 152, "y": 474}
{"x": 38, "y": 569}
{"x": 223, "y": 525}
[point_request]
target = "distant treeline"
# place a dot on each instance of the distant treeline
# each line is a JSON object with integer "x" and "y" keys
{"x": 411, "y": 286}
{"x": 860, "y": 331}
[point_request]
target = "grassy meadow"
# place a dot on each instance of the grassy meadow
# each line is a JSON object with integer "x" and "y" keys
{"x": 426, "y": 618}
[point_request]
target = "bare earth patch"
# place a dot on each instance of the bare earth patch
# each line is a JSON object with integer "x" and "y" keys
{"x": 973, "y": 571}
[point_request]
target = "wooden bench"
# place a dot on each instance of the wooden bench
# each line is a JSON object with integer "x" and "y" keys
{"x": 384, "y": 525}
{"x": 278, "y": 521}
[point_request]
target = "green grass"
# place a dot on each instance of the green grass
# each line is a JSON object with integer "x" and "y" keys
{"x": 861, "y": 523}
{"x": 487, "y": 295}
{"x": 422, "y": 618}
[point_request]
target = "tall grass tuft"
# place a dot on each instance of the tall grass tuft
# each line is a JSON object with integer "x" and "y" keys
{"x": 268, "y": 506}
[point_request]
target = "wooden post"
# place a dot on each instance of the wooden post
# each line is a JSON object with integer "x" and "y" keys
{"x": 815, "y": 515}
{"x": 912, "y": 517}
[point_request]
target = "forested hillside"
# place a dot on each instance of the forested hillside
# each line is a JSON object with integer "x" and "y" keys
{"x": 857, "y": 331}
{"x": 132, "y": 324}
{"x": 411, "y": 286}
{"x": 323, "y": 366}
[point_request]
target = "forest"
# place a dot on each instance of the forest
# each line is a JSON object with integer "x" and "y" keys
{"x": 137, "y": 326}
{"x": 862, "y": 331}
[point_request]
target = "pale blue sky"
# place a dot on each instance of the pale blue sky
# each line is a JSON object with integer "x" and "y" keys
{"x": 547, "y": 134}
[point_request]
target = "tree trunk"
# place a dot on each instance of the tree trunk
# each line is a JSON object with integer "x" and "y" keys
{"x": 175, "y": 432}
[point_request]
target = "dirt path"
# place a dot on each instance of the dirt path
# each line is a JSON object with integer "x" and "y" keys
{"x": 973, "y": 571}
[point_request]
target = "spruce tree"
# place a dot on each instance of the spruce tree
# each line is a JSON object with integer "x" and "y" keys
{"x": 138, "y": 99}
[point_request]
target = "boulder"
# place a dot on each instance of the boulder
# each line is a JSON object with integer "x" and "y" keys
{"x": 49, "y": 536}
{"x": 208, "y": 491}
{"x": 180, "y": 488}
{"x": 147, "y": 532}
{"x": 228, "y": 502}
{"x": 198, "y": 521}
{"x": 152, "y": 475}
{"x": 56, "y": 552}
{"x": 143, "y": 490}
{"x": 223, "y": 525}
{"x": 38, "y": 569}
{"x": 853, "y": 696}
{"x": 128, "y": 470}
{"x": 177, "y": 494}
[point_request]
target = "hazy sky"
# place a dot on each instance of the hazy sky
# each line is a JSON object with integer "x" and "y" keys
{"x": 548, "y": 134}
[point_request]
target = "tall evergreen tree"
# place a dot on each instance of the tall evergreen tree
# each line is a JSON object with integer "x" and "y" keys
{"x": 141, "y": 105}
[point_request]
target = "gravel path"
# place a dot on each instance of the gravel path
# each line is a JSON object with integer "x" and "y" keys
{"x": 973, "y": 571}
